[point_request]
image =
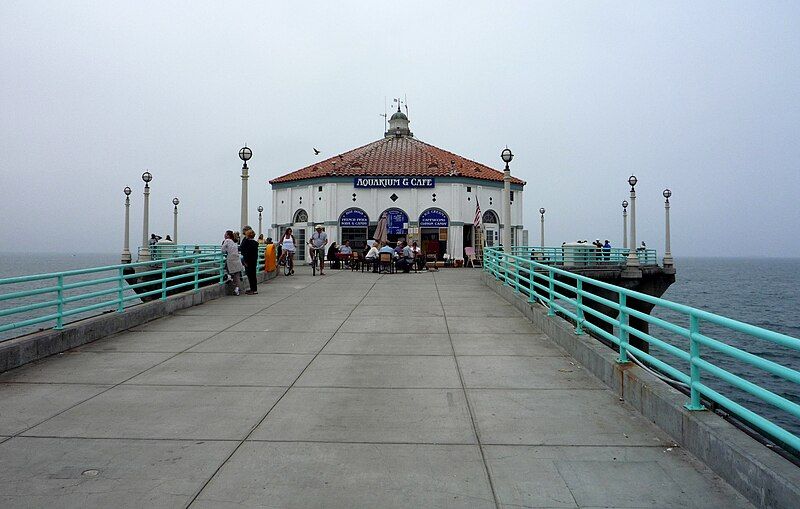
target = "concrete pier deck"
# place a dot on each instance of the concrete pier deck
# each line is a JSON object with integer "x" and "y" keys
{"x": 349, "y": 390}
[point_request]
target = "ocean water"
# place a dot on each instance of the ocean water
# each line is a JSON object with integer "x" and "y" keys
{"x": 762, "y": 292}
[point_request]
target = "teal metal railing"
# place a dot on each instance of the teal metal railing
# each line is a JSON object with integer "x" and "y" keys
{"x": 56, "y": 296}
{"x": 584, "y": 255}
{"x": 685, "y": 352}
{"x": 160, "y": 251}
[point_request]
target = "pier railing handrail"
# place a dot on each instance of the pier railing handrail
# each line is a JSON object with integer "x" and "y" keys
{"x": 190, "y": 267}
{"x": 168, "y": 274}
{"x": 538, "y": 282}
{"x": 584, "y": 255}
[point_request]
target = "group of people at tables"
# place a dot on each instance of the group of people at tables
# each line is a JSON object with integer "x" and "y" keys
{"x": 403, "y": 255}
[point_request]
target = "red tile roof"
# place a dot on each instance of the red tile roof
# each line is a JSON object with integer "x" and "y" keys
{"x": 396, "y": 156}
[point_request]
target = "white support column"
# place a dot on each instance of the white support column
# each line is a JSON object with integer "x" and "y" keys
{"x": 668, "y": 261}
{"x": 625, "y": 224}
{"x": 175, "y": 225}
{"x": 126, "y": 252}
{"x": 144, "y": 255}
{"x": 632, "y": 265}
{"x": 506, "y": 210}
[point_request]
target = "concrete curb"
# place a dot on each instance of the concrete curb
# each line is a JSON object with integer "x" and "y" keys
{"x": 761, "y": 475}
{"x": 31, "y": 347}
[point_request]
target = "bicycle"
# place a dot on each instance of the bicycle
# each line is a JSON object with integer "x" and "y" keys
{"x": 288, "y": 263}
{"x": 315, "y": 254}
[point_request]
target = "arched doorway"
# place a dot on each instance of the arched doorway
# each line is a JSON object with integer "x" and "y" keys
{"x": 491, "y": 227}
{"x": 299, "y": 225}
{"x": 354, "y": 224}
{"x": 433, "y": 227}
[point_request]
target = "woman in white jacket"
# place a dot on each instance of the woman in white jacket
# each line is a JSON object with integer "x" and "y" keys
{"x": 233, "y": 261}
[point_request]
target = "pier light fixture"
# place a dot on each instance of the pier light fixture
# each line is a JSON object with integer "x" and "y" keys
{"x": 669, "y": 263}
{"x": 541, "y": 237}
{"x": 126, "y": 252}
{"x": 632, "y": 265}
{"x": 260, "y": 210}
{"x": 175, "y": 201}
{"x": 144, "y": 253}
{"x": 244, "y": 154}
{"x": 506, "y": 155}
{"x": 625, "y": 224}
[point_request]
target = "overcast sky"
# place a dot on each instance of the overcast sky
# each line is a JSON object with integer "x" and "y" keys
{"x": 700, "y": 97}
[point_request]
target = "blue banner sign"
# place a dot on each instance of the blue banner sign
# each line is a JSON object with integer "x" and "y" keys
{"x": 393, "y": 182}
{"x": 396, "y": 222}
{"x": 433, "y": 218}
{"x": 354, "y": 218}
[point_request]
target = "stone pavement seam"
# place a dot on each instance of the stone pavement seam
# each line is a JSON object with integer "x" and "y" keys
{"x": 466, "y": 399}
{"x": 264, "y": 417}
{"x": 141, "y": 372}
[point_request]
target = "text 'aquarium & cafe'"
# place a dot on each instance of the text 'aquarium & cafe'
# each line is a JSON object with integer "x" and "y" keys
{"x": 429, "y": 195}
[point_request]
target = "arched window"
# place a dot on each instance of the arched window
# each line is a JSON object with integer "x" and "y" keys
{"x": 489, "y": 217}
{"x": 301, "y": 216}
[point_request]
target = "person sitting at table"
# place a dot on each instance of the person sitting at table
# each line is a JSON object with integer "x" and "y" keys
{"x": 333, "y": 261}
{"x": 405, "y": 261}
{"x": 345, "y": 248}
{"x": 398, "y": 248}
{"x": 372, "y": 256}
{"x": 386, "y": 248}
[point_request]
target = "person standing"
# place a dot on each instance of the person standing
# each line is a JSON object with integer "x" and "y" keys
{"x": 233, "y": 263}
{"x": 318, "y": 241}
{"x": 249, "y": 249}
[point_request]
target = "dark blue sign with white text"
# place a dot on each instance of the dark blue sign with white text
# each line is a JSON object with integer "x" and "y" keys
{"x": 433, "y": 218}
{"x": 394, "y": 182}
{"x": 396, "y": 222}
{"x": 354, "y": 218}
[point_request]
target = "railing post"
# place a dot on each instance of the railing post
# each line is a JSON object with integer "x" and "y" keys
{"x": 60, "y": 317}
{"x": 196, "y": 274}
{"x": 551, "y": 288}
{"x": 694, "y": 370}
{"x": 164, "y": 280}
{"x": 120, "y": 291}
{"x": 532, "y": 277}
{"x": 516, "y": 276}
{"x": 623, "y": 331}
{"x": 222, "y": 269}
{"x": 579, "y": 310}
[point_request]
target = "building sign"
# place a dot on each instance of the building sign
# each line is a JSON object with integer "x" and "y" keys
{"x": 393, "y": 182}
{"x": 396, "y": 222}
{"x": 354, "y": 218}
{"x": 433, "y": 218}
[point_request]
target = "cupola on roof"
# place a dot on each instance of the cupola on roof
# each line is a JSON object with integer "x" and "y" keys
{"x": 398, "y": 125}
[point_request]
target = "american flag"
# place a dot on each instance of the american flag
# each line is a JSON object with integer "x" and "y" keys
{"x": 477, "y": 220}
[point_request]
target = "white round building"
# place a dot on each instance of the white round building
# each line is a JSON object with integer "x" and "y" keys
{"x": 428, "y": 194}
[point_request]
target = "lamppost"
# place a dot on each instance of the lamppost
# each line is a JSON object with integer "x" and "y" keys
{"x": 260, "y": 210}
{"x": 175, "y": 201}
{"x": 668, "y": 262}
{"x": 625, "y": 224}
{"x": 244, "y": 154}
{"x": 632, "y": 266}
{"x": 144, "y": 254}
{"x": 126, "y": 252}
{"x": 542, "y": 211}
{"x": 507, "y": 156}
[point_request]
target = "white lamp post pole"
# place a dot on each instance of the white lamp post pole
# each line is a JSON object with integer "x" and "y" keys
{"x": 175, "y": 201}
{"x": 244, "y": 154}
{"x": 144, "y": 255}
{"x": 126, "y": 252}
{"x": 507, "y": 156}
{"x": 668, "y": 262}
{"x": 632, "y": 263}
{"x": 260, "y": 210}
{"x": 541, "y": 237}
{"x": 625, "y": 224}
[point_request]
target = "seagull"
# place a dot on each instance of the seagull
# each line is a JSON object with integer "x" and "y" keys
{"x": 316, "y": 152}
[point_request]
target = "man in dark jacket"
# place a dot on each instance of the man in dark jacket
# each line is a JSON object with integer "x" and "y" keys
{"x": 249, "y": 249}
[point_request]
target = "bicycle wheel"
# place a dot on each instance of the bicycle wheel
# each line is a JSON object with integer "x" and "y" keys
{"x": 287, "y": 265}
